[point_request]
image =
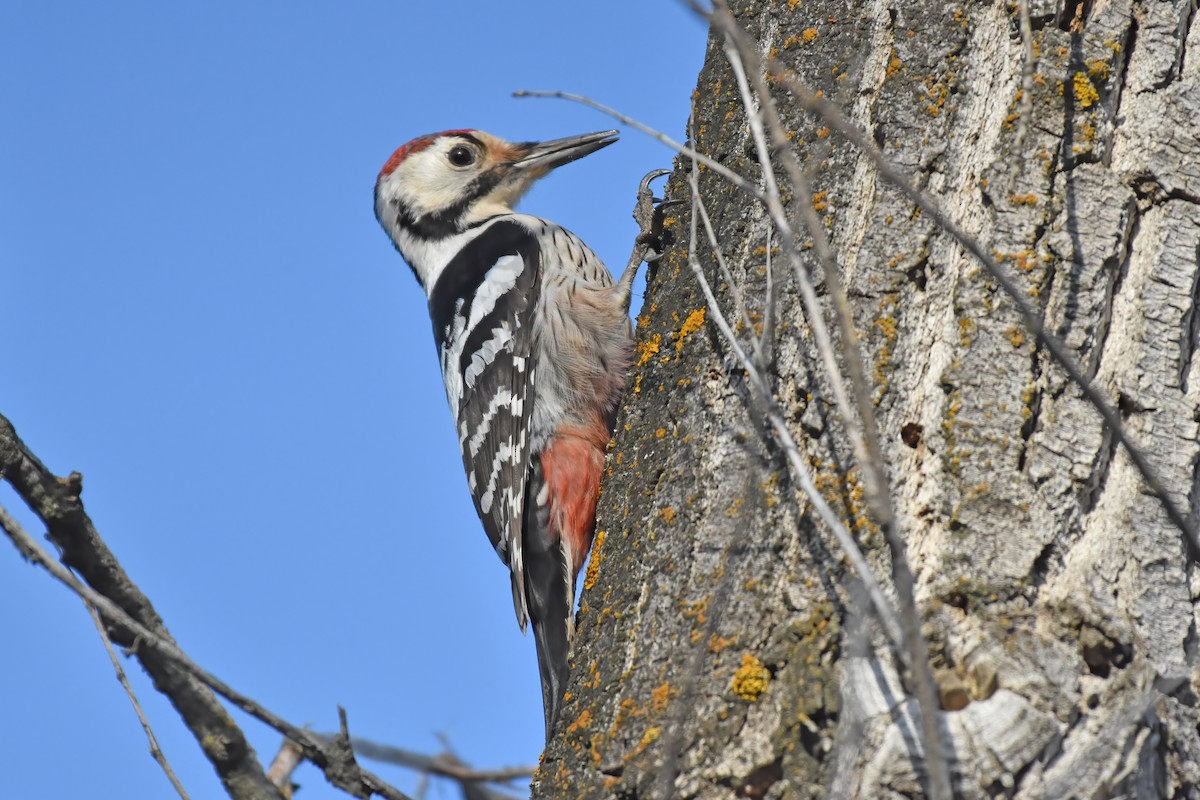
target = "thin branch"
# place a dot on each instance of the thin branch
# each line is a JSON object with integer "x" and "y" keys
{"x": 716, "y": 166}
{"x": 767, "y": 339}
{"x": 155, "y": 751}
{"x": 734, "y": 292}
{"x": 240, "y": 785}
{"x": 824, "y": 512}
{"x": 285, "y": 762}
{"x": 314, "y": 748}
{"x": 868, "y": 450}
{"x": 445, "y": 765}
{"x": 56, "y": 501}
{"x": 801, "y": 469}
{"x": 1027, "y": 64}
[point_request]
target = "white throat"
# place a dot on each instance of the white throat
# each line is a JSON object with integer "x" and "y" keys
{"x": 429, "y": 257}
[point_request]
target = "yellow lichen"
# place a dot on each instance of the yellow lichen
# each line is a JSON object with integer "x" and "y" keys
{"x": 648, "y": 349}
{"x": 1099, "y": 70}
{"x": 809, "y": 34}
{"x": 751, "y": 679}
{"x": 938, "y": 93}
{"x": 662, "y": 695}
{"x": 1085, "y": 92}
{"x": 718, "y": 643}
{"x": 820, "y": 203}
{"x": 695, "y": 611}
{"x": 593, "y": 567}
{"x": 667, "y": 514}
{"x": 582, "y": 722}
{"x": 693, "y": 323}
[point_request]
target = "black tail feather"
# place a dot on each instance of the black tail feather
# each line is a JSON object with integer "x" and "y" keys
{"x": 550, "y": 595}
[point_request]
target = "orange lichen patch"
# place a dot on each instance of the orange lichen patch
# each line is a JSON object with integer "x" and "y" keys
{"x": 751, "y": 679}
{"x": 1085, "y": 92}
{"x": 667, "y": 514}
{"x": 1098, "y": 69}
{"x": 808, "y": 34}
{"x": 822, "y": 133}
{"x": 718, "y": 643}
{"x": 660, "y": 433}
{"x": 792, "y": 4}
{"x": 593, "y": 567}
{"x": 820, "y": 203}
{"x": 1015, "y": 336}
{"x": 937, "y": 95}
{"x": 696, "y": 610}
{"x": 661, "y": 696}
{"x": 966, "y": 326}
{"x": 693, "y": 323}
{"x": 1023, "y": 199}
{"x": 894, "y": 66}
{"x": 648, "y": 738}
{"x": 648, "y": 349}
{"x": 581, "y": 723}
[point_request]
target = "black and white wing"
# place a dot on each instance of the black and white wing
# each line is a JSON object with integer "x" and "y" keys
{"x": 482, "y": 307}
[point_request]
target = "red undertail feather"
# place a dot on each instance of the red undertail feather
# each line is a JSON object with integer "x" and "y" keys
{"x": 573, "y": 464}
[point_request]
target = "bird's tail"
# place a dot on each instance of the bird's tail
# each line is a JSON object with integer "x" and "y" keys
{"x": 550, "y": 596}
{"x": 564, "y": 485}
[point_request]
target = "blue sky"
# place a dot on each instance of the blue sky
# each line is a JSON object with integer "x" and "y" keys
{"x": 203, "y": 317}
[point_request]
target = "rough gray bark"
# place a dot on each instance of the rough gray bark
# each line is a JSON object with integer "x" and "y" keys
{"x": 721, "y": 649}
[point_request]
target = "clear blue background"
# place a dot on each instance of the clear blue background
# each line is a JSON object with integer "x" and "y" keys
{"x": 201, "y": 315}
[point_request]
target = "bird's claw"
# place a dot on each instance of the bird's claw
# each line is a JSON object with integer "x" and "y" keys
{"x": 650, "y": 213}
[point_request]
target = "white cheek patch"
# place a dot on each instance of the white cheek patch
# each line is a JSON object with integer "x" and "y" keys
{"x": 429, "y": 185}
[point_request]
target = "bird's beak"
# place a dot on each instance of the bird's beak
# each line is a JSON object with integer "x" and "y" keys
{"x": 541, "y": 157}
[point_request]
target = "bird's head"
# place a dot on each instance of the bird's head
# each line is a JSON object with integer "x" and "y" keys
{"x": 439, "y": 185}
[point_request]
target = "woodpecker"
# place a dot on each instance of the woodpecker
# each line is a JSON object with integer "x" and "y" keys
{"x": 535, "y": 341}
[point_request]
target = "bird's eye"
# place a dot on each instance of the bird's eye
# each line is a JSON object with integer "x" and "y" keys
{"x": 462, "y": 156}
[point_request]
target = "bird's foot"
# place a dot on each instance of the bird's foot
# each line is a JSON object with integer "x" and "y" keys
{"x": 650, "y": 214}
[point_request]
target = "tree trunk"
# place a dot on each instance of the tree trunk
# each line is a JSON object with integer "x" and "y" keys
{"x": 722, "y": 647}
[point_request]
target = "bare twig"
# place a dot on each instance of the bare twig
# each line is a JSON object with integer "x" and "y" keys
{"x": 286, "y": 760}
{"x": 1027, "y": 64}
{"x": 186, "y": 684}
{"x": 727, "y": 275}
{"x": 716, "y": 166}
{"x": 314, "y": 748}
{"x": 445, "y": 765}
{"x": 155, "y": 751}
{"x": 868, "y": 450}
{"x": 767, "y": 339}
{"x": 800, "y": 468}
